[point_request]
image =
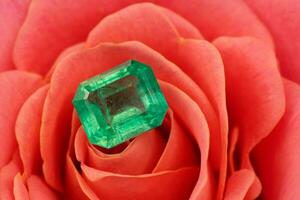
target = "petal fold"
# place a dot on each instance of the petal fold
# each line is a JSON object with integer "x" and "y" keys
{"x": 152, "y": 20}
{"x": 20, "y": 190}
{"x": 277, "y": 158}
{"x": 201, "y": 61}
{"x": 193, "y": 118}
{"x": 255, "y": 94}
{"x": 12, "y": 15}
{"x": 214, "y": 18}
{"x": 7, "y": 174}
{"x": 283, "y": 21}
{"x": 113, "y": 186}
{"x": 144, "y": 149}
{"x": 27, "y": 128}
{"x": 180, "y": 151}
{"x": 239, "y": 184}
{"x": 67, "y": 23}
{"x": 38, "y": 189}
{"x": 15, "y": 88}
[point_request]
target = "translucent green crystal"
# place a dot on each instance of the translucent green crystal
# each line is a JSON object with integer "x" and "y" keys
{"x": 120, "y": 104}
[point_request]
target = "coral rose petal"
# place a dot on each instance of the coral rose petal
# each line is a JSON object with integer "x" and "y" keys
{"x": 75, "y": 125}
{"x": 12, "y": 15}
{"x": 126, "y": 161}
{"x": 75, "y": 186}
{"x": 283, "y": 21}
{"x": 277, "y": 158}
{"x": 67, "y": 23}
{"x": 152, "y": 20}
{"x": 68, "y": 51}
{"x": 180, "y": 151}
{"x": 7, "y": 174}
{"x": 114, "y": 186}
{"x": 254, "y": 91}
{"x": 215, "y": 18}
{"x": 238, "y": 184}
{"x": 28, "y": 131}
{"x": 38, "y": 189}
{"x": 254, "y": 88}
{"x": 20, "y": 190}
{"x": 184, "y": 27}
{"x": 75, "y": 122}
{"x": 193, "y": 118}
{"x": 55, "y": 130}
{"x": 15, "y": 88}
{"x": 203, "y": 63}
{"x": 233, "y": 139}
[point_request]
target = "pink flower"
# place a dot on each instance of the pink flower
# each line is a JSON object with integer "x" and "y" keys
{"x": 230, "y": 73}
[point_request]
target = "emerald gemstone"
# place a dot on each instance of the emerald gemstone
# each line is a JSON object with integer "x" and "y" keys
{"x": 120, "y": 104}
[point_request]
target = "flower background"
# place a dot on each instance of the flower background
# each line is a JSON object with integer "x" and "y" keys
{"x": 230, "y": 73}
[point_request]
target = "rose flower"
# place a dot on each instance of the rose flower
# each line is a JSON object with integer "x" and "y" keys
{"x": 230, "y": 72}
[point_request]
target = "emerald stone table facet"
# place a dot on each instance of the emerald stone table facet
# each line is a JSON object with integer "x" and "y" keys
{"x": 120, "y": 104}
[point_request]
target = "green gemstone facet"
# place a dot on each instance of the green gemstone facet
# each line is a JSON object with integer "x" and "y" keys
{"x": 120, "y": 104}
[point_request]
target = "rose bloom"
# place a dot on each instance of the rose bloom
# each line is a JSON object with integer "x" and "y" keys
{"x": 230, "y": 71}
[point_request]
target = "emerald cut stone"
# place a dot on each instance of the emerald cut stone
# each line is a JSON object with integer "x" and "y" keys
{"x": 120, "y": 104}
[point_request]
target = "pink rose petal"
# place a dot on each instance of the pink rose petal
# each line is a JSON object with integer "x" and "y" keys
{"x": 20, "y": 190}
{"x": 75, "y": 185}
{"x": 15, "y": 88}
{"x": 232, "y": 149}
{"x": 7, "y": 174}
{"x": 183, "y": 26}
{"x": 115, "y": 186}
{"x": 12, "y": 15}
{"x": 255, "y": 95}
{"x": 202, "y": 62}
{"x": 28, "y": 131}
{"x": 180, "y": 151}
{"x": 68, "y": 51}
{"x": 139, "y": 157}
{"x": 282, "y": 18}
{"x": 38, "y": 189}
{"x": 215, "y": 18}
{"x": 239, "y": 184}
{"x": 193, "y": 118}
{"x": 52, "y": 26}
{"x": 124, "y": 26}
{"x": 277, "y": 158}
